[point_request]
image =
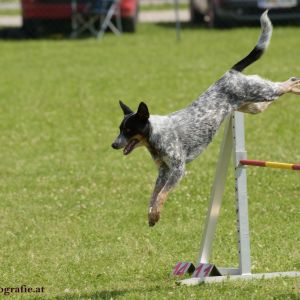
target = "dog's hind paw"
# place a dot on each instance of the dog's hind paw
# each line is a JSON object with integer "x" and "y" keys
{"x": 153, "y": 216}
{"x": 296, "y": 87}
{"x": 296, "y": 90}
{"x": 291, "y": 86}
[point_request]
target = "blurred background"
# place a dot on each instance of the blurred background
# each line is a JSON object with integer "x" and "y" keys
{"x": 74, "y": 18}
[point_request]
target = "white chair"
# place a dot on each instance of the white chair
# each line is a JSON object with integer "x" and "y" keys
{"x": 96, "y": 16}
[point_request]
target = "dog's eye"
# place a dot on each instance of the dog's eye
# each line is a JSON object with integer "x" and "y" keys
{"x": 127, "y": 130}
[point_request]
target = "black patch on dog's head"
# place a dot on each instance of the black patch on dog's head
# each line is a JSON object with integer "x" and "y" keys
{"x": 125, "y": 108}
{"x": 135, "y": 123}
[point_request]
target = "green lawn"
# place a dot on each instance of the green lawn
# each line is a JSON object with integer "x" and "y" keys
{"x": 73, "y": 214}
{"x": 9, "y": 1}
{"x": 10, "y": 12}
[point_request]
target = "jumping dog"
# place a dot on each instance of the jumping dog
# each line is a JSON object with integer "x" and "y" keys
{"x": 178, "y": 138}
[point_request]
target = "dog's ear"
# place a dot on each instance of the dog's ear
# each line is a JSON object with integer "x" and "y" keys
{"x": 143, "y": 112}
{"x": 125, "y": 108}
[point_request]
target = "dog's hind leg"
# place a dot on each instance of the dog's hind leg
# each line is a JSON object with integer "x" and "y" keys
{"x": 255, "y": 94}
{"x": 254, "y": 108}
{"x": 289, "y": 86}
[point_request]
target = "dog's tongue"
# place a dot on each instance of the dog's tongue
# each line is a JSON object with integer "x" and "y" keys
{"x": 129, "y": 147}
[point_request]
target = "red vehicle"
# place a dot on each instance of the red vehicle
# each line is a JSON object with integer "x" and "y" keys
{"x": 56, "y": 15}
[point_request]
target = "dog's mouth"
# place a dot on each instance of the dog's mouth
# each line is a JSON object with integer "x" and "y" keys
{"x": 130, "y": 146}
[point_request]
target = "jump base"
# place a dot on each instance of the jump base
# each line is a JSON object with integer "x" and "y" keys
{"x": 214, "y": 279}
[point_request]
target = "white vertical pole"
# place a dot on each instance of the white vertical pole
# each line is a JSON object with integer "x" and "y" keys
{"x": 177, "y": 20}
{"x": 74, "y": 18}
{"x": 239, "y": 153}
{"x": 216, "y": 194}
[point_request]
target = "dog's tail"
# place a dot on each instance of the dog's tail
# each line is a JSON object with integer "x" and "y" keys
{"x": 261, "y": 46}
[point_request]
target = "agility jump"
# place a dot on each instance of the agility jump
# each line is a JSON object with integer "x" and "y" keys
{"x": 233, "y": 144}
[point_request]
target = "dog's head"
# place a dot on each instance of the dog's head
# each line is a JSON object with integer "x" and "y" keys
{"x": 134, "y": 129}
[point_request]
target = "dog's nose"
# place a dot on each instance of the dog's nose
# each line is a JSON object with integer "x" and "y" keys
{"x": 114, "y": 145}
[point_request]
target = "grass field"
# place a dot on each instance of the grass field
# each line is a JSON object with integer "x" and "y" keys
{"x": 9, "y": 12}
{"x": 74, "y": 211}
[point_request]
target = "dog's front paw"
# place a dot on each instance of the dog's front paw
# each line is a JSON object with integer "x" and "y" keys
{"x": 153, "y": 216}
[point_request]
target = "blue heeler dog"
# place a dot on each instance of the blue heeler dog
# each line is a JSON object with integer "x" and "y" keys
{"x": 179, "y": 137}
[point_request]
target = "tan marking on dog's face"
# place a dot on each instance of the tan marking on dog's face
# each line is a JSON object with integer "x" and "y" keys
{"x": 142, "y": 140}
{"x": 136, "y": 141}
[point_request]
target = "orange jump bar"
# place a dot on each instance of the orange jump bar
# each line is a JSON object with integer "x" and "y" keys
{"x": 270, "y": 164}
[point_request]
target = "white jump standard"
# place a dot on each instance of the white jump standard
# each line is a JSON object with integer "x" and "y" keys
{"x": 233, "y": 144}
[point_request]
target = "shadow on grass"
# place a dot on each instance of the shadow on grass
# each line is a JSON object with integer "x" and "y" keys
{"x": 97, "y": 295}
{"x": 19, "y": 34}
{"x": 286, "y": 297}
{"x": 107, "y": 294}
{"x": 12, "y": 33}
{"x": 183, "y": 25}
{"x": 190, "y": 25}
